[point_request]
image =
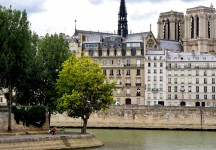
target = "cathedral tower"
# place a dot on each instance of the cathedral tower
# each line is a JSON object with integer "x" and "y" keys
{"x": 122, "y": 20}
{"x": 200, "y": 31}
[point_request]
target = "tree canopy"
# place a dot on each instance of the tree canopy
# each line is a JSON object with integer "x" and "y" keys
{"x": 15, "y": 51}
{"x": 82, "y": 89}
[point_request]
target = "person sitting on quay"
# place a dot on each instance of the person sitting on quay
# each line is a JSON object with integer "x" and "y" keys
{"x": 52, "y": 131}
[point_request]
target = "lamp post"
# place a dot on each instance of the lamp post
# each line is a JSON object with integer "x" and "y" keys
{"x": 182, "y": 90}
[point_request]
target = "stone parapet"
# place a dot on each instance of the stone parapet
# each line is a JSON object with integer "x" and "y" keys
{"x": 194, "y": 118}
{"x": 42, "y": 142}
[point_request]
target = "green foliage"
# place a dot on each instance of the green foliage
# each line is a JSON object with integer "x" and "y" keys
{"x": 52, "y": 52}
{"x": 82, "y": 88}
{"x": 15, "y": 46}
{"x": 35, "y": 115}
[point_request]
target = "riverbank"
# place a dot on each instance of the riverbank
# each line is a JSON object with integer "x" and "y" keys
{"x": 145, "y": 117}
{"x": 44, "y": 141}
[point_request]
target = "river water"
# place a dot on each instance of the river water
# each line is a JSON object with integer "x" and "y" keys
{"x": 154, "y": 139}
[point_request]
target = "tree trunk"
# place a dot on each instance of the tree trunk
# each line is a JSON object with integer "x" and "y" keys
{"x": 9, "y": 106}
{"x": 84, "y": 127}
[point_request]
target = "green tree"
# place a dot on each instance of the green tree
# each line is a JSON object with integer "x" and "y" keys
{"x": 83, "y": 89}
{"x": 15, "y": 51}
{"x": 53, "y": 50}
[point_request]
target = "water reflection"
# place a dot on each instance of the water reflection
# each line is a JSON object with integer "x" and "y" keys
{"x": 154, "y": 140}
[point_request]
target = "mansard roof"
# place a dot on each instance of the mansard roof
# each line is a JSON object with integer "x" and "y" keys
{"x": 173, "y": 46}
{"x": 199, "y": 57}
{"x": 136, "y": 37}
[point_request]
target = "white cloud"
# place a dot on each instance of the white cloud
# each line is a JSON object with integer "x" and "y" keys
{"x": 55, "y": 16}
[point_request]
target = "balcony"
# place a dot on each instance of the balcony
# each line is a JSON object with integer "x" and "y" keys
{"x": 133, "y": 65}
{"x": 127, "y": 84}
{"x": 138, "y": 84}
{"x": 155, "y": 90}
{"x": 119, "y": 85}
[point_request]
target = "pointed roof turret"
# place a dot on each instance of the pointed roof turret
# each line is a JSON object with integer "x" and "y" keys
{"x": 122, "y": 20}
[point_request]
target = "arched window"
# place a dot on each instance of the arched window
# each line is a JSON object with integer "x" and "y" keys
{"x": 209, "y": 26}
{"x": 164, "y": 29}
{"x": 197, "y": 29}
{"x": 192, "y": 27}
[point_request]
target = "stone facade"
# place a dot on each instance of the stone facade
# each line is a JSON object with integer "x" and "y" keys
{"x": 199, "y": 118}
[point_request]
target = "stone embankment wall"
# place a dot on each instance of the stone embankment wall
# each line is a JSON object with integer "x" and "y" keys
{"x": 65, "y": 141}
{"x": 15, "y": 126}
{"x": 198, "y": 118}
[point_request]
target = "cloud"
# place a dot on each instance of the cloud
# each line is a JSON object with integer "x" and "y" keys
{"x": 31, "y": 6}
{"x": 153, "y": 1}
{"x": 136, "y": 16}
{"x": 96, "y": 2}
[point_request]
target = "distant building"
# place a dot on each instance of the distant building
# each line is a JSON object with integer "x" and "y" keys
{"x": 176, "y": 69}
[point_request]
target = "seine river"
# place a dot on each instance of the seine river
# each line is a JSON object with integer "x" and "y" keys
{"x": 154, "y": 139}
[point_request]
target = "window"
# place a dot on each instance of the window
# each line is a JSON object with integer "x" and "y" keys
{"x": 176, "y": 73}
{"x": 149, "y": 87}
{"x": 175, "y": 80}
{"x": 111, "y": 72}
{"x": 104, "y": 72}
{"x": 149, "y": 64}
{"x": 213, "y": 80}
{"x": 169, "y": 88}
{"x": 197, "y": 88}
{"x": 213, "y": 73}
{"x": 205, "y": 73}
{"x": 189, "y": 88}
{"x": 155, "y": 64}
{"x": 189, "y": 73}
{"x": 197, "y": 96}
{"x": 119, "y": 72}
{"x": 128, "y": 72}
{"x": 119, "y": 91}
{"x": 205, "y": 89}
{"x": 182, "y": 73}
{"x": 189, "y": 80}
{"x": 155, "y": 78}
{"x": 161, "y": 87}
{"x": 182, "y": 80}
{"x": 161, "y": 78}
{"x": 197, "y": 72}
{"x": 155, "y": 70}
{"x": 104, "y": 62}
{"x": 205, "y": 97}
{"x": 138, "y": 71}
{"x": 213, "y": 89}
{"x": 128, "y": 92}
{"x": 118, "y": 62}
{"x": 149, "y": 96}
{"x": 149, "y": 70}
{"x": 1, "y": 100}
{"x": 111, "y": 62}
{"x": 205, "y": 80}
{"x": 169, "y": 96}
{"x": 138, "y": 92}
{"x": 175, "y": 89}
{"x": 149, "y": 78}
{"x": 213, "y": 96}
{"x": 161, "y": 70}
{"x": 176, "y": 96}
{"x": 197, "y": 80}
{"x": 161, "y": 64}
{"x": 169, "y": 80}
{"x": 169, "y": 73}
{"x": 127, "y": 62}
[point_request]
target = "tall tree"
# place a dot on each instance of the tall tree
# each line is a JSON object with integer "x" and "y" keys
{"x": 15, "y": 51}
{"x": 82, "y": 89}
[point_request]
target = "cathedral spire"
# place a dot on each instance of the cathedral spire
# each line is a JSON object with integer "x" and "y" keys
{"x": 122, "y": 20}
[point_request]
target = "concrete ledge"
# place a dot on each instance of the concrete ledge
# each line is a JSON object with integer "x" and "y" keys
{"x": 47, "y": 141}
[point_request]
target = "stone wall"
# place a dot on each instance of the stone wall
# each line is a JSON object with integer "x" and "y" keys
{"x": 198, "y": 118}
{"x": 15, "y": 126}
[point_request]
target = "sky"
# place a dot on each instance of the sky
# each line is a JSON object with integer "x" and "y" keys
{"x": 58, "y": 16}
